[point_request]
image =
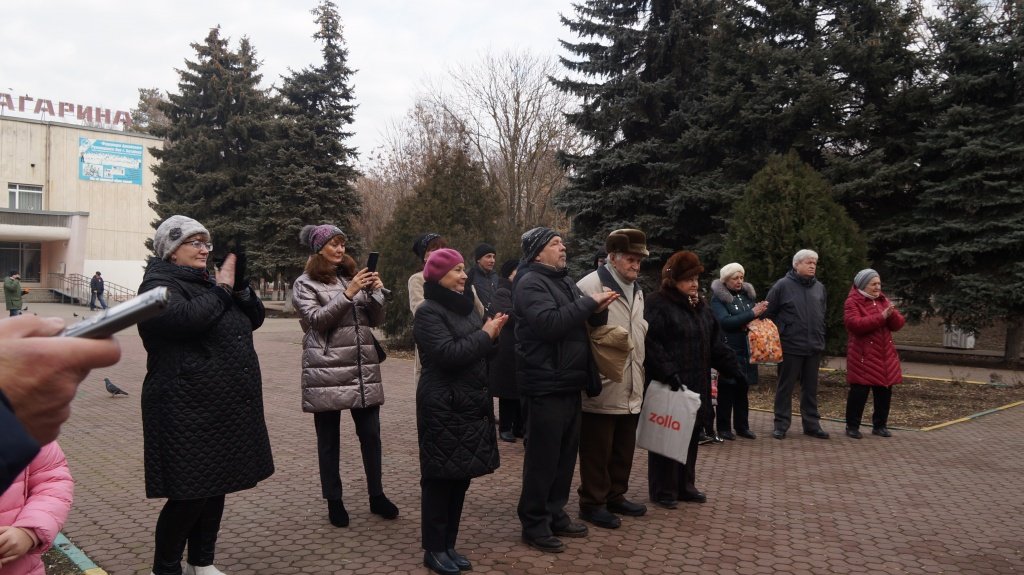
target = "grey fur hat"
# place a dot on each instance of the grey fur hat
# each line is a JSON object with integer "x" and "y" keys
{"x": 173, "y": 232}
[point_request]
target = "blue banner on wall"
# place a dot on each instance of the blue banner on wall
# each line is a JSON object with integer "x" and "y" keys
{"x": 106, "y": 161}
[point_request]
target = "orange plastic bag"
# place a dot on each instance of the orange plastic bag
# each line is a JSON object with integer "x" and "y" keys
{"x": 763, "y": 342}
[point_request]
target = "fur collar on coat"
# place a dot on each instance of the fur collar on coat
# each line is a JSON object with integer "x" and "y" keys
{"x": 723, "y": 294}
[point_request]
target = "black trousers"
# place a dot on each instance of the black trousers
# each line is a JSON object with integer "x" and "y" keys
{"x": 441, "y": 507}
{"x": 733, "y": 403}
{"x": 553, "y": 440}
{"x": 192, "y": 521}
{"x": 669, "y": 479}
{"x": 510, "y": 416}
{"x": 858, "y": 398}
{"x": 607, "y": 443}
{"x": 328, "y": 447}
{"x": 805, "y": 369}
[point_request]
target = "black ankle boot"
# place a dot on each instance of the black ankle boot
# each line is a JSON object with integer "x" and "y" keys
{"x": 381, "y": 505}
{"x": 336, "y": 512}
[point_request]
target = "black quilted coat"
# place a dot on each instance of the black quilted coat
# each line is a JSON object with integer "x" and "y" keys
{"x": 202, "y": 400}
{"x": 454, "y": 410}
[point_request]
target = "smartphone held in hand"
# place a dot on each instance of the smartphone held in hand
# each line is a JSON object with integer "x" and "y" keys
{"x": 371, "y": 261}
{"x": 114, "y": 319}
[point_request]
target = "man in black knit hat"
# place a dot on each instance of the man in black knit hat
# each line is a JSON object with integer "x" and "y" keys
{"x": 554, "y": 365}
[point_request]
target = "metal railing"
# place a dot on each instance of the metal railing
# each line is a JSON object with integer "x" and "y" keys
{"x": 74, "y": 288}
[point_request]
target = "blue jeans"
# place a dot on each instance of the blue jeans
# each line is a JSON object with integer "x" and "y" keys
{"x": 97, "y": 296}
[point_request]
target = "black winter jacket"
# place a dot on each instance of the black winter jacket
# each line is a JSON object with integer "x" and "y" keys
{"x": 202, "y": 400}
{"x": 454, "y": 410}
{"x": 552, "y": 343}
{"x": 502, "y": 367}
{"x": 685, "y": 340}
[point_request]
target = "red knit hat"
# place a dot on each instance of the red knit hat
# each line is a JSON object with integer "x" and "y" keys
{"x": 440, "y": 262}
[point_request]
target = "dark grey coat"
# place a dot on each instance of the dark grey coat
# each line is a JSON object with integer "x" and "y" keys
{"x": 202, "y": 400}
{"x": 797, "y": 306}
{"x": 454, "y": 411}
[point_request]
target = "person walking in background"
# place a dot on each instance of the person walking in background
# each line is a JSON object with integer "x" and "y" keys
{"x": 684, "y": 341}
{"x": 204, "y": 432}
{"x": 554, "y": 366}
{"x": 733, "y": 304}
{"x": 341, "y": 364}
{"x": 13, "y": 292}
{"x": 796, "y": 303}
{"x": 483, "y": 279}
{"x": 96, "y": 287}
{"x": 454, "y": 411}
{"x": 609, "y": 420}
{"x": 872, "y": 362}
{"x": 33, "y": 511}
{"x": 502, "y": 367}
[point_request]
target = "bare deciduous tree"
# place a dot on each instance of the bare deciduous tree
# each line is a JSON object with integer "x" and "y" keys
{"x": 513, "y": 117}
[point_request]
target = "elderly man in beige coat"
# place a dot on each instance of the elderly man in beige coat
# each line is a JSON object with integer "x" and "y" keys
{"x": 609, "y": 421}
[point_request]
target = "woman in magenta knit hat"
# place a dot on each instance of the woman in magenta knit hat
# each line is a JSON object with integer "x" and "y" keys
{"x": 454, "y": 410}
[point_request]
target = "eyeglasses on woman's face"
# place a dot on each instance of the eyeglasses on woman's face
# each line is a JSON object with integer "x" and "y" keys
{"x": 199, "y": 244}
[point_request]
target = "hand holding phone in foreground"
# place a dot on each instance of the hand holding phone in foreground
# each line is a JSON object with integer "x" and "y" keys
{"x": 42, "y": 373}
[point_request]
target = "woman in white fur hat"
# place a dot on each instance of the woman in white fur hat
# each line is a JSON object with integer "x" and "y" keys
{"x": 733, "y": 304}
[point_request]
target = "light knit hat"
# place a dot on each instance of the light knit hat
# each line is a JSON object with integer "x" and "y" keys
{"x": 863, "y": 277}
{"x": 173, "y": 232}
{"x": 729, "y": 270}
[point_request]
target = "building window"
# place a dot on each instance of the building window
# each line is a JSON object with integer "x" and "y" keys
{"x": 23, "y": 257}
{"x": 24, "y": 197}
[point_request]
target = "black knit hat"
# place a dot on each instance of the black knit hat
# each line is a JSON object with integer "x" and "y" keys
{"x": 482, "y": 250}
{"x": 534, "y": 241}
{"x": 419, "y": 247}
{"x": 508, "y": 267}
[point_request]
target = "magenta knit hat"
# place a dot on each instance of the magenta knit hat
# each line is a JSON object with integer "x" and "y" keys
{"x": 440, "y": 263}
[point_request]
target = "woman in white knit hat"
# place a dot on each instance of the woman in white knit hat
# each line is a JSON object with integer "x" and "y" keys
{"x": 733, "y": 303}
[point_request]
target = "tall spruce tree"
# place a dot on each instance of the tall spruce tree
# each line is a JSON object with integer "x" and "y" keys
{"x": 960, "y": 252}
{"x": 216, "y": 132}
{"x": 640, "y": 70}
{"x": 787, "y": 207}
{"x": 453, "y": 199}
{"x": 310, "y": 173}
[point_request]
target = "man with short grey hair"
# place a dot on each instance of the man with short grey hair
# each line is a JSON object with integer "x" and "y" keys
{"x": 796, "y": 303}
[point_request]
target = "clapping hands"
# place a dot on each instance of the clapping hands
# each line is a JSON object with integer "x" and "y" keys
{"x": 492, "y": 327}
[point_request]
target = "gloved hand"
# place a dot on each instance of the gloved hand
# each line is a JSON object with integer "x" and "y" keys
{"x": 675, "y": 382}
{"x": 241, "y": 281}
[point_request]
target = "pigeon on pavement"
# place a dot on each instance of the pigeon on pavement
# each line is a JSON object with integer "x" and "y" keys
{"x": 113, "y": 389}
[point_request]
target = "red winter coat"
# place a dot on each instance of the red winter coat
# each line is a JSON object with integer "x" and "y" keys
{"x": 871, "y": 357}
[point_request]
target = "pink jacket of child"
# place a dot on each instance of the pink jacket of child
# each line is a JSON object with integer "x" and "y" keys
{"x": 39, "y": 499}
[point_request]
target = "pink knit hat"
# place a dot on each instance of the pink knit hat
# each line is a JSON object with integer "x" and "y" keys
{"x": 440, "y": 262}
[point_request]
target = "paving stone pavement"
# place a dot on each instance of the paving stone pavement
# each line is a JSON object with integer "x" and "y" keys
{"x": 946, "y": 501}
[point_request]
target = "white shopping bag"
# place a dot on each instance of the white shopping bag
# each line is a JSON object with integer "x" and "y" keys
{"x": 666, "y": 420}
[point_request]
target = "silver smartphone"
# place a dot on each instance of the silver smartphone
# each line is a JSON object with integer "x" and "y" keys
{"x": 112, "y": 320}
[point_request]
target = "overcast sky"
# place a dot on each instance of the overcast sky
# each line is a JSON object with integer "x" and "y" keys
{"x": 99, "y": 52}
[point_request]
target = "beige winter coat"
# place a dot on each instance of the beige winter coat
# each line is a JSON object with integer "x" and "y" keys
{"x": 625, "y": 396}
{"x": 340, "y": 365}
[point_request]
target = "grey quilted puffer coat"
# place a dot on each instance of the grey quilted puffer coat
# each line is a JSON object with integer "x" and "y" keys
{"x": 340, "y": 364}
{"x": 454, "y": 409}
{"x": 202, "y": 400}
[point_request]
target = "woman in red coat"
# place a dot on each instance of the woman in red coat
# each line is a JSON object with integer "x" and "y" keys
{"x": 871, "y": 359}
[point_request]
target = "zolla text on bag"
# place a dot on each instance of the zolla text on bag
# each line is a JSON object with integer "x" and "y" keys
{"x": 665, "y": 421}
